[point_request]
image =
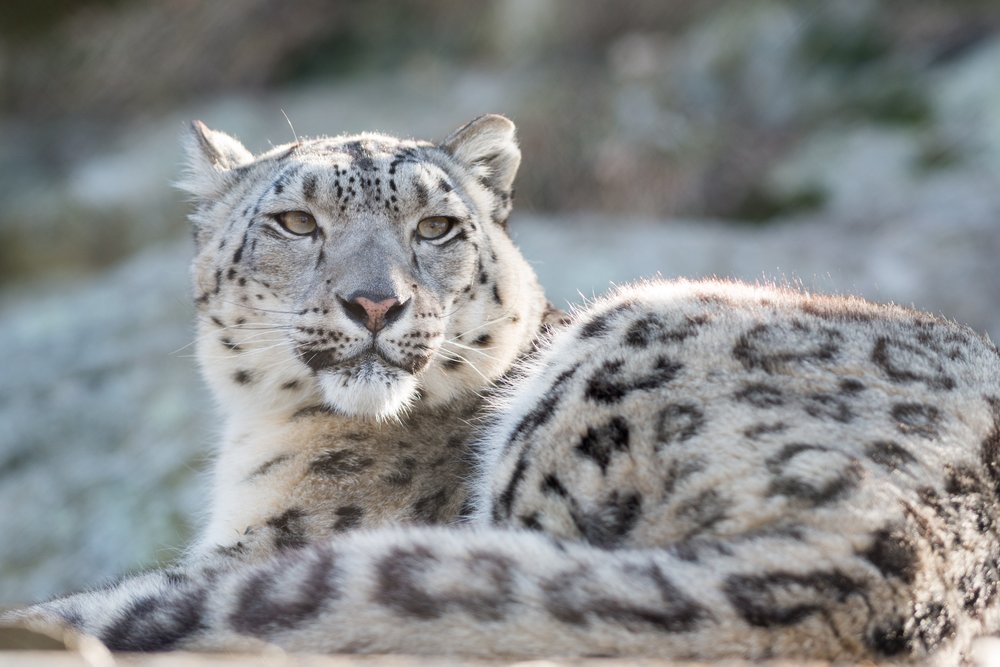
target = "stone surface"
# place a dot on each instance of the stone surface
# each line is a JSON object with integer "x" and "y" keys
{"x": 102, "y": 426}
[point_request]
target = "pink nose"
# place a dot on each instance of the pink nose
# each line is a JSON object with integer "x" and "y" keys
{"x": 373, "y": 311}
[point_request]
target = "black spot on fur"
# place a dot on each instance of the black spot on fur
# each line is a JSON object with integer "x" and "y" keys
{"x": 760, "y": 395}
{"x": 573, "y": 604}
{"x": 267, "y": 604}
{"x": 243, "y": 376}
{"x": 851, "y": 386}
{"x": 552, "y": 485}
{"x": 348, "y": 517}
{"x": 678, "y": 422}
{"x": 605, "y": 385}
{"x": 483, "y": 340}
{"x": 229, "y": 344}
{"x": 828, "y": 406}
{"x": 654, "y": 329}
{"x": 496, "y": 295}
{"x": 289, "y": 528}
{"x": 764, "y": 428}
{"x": 430, "y": 508}
{"x": 894, "y": 554}
{"x": 963, "y": 481}
{"x": 902, "y": 363}
{"x": 158, "y": 623}
{"x": 702, "y": 512}
{"x": 265, "y": 467}
{"x": 891, "y": 639}
{"x": 608, "y": 524}
{"x": 291, "y": 384}
{"x": 238, "y": 255}
{"x": 807, "y": 489}
{"x": 889, "y": 455}
{"x": 772, "y": 348}
{"x": 916, "y": 419}
{"x": 600, "y": 324}
{"x": 502, "y": 507}
{"x": 403, "y": 474}
{"x": 361, "y": 155}
{"x": 678, "y": 471}
{"x": 776, "y": 599}
{"x": 421, "y": 194}
{"x": 544, "y": 407}
{"x": 397, "y": 586}
{"x": 309, "y": 187}
{"x": 337, "y": 462}
{"x": 600, "y": 444}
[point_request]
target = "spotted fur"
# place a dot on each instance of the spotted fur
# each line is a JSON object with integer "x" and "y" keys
{"x": 688, "y": 470}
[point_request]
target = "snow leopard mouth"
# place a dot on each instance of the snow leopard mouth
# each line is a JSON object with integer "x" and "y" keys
{"x": 366, "y": 360}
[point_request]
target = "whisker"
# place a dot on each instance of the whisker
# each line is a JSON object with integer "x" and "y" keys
{"x": 459, "y": 357}
{"x": 471, "y": 349}
{"x": 262, "y": 310}
{"x": 505, "y": 316}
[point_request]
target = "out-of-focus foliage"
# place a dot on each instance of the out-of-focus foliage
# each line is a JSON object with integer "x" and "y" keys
{"x": 645, "y": 106}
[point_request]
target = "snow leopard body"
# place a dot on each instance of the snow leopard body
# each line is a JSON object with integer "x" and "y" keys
{"x": 685, "y": 470}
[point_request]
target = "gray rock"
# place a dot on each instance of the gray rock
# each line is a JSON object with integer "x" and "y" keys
{"x": 102, "y": 427}
{"x": 943, "y": 264}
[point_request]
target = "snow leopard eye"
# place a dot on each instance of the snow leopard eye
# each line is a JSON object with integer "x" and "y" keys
{"x": 297, "y": 222}
{"x": 435, "y": 227}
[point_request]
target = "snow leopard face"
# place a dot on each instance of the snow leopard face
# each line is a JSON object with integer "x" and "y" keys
{"x": 361, "y": 272}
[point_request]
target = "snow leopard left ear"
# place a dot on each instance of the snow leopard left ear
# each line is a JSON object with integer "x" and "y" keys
{"x": 487, "y": 146}
{"x": 211, "y": 156}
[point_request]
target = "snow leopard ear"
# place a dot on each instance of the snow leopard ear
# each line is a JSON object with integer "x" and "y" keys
{"x": 488, "y": 147}
{"x": 211, "y": 155}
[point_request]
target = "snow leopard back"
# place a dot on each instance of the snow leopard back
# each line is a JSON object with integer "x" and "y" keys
{"x": 835, "y": 460}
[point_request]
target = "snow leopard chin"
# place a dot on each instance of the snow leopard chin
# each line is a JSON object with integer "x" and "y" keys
{"x": 369, "y": 390}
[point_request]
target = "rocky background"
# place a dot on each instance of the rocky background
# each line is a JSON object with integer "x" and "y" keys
{"x": 849, "y": 146}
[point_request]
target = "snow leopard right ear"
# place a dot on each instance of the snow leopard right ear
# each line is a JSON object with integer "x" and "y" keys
{"x": 211, "y": 156}
{"x": 488, "y": 146}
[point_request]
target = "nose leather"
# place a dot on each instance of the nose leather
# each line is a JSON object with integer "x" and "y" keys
{"x": 373, "y": 311}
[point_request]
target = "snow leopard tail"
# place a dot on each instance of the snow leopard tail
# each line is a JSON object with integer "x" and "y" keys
{"x": 488, "y": 592}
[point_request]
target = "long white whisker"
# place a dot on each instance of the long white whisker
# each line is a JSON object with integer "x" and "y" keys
{"x": 505, "y": 316}
{"x": 262, "y": 310}
{"x": 472, "y": 349}
{"x": 459, "y": 357}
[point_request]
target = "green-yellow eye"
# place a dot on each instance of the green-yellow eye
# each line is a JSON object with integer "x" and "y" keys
{"x": 434, "y": 228}
{"x": 297, "y": 222}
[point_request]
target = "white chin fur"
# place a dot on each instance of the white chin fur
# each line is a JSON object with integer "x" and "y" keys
{"x": 370, "y": 390}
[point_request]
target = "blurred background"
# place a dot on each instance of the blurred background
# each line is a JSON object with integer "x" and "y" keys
{"x": 848, "y": 146}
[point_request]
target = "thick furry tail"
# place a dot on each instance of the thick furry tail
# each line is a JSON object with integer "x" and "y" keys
{"x": 489, "y": 592}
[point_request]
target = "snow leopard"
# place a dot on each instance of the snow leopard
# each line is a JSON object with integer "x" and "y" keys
{"x": 681, "y": 469}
